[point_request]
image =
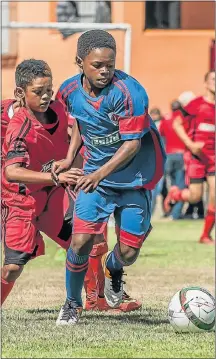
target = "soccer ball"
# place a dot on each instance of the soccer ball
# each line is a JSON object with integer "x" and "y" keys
{"x": 192, "y": 309}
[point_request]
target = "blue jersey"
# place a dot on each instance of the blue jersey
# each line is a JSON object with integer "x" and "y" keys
{"x": 118, "y": 114}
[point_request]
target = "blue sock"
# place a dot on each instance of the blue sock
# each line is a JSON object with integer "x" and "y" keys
{"x": 76, "y": 268}
{"x": 114, "y": 261}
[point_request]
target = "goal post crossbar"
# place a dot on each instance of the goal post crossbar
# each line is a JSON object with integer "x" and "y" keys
{"x": 82, "y": 27}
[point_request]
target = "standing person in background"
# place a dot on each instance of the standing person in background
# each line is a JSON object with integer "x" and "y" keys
{"x": 157, "y": 117}
{"x": 199, "y": 138}
{"x": 175, "y": 148}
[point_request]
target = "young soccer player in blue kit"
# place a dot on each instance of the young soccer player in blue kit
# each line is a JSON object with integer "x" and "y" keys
{"x": 124, "y": 159}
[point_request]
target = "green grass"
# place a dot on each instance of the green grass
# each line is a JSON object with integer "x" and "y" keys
{"x": 170, "y": 259}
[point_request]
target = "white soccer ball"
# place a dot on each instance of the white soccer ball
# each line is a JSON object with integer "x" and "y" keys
{"x": 192, "y": 309}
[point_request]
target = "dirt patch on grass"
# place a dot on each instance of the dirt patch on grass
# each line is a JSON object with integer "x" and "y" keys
{"x": 44, "y": 288}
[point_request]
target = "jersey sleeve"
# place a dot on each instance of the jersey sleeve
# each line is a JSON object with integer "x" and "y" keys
{"x": 61, "y": 98}
{"x": 131, "y": 111}
{"x": 15, "y": 145}
{"x": 190, "y": 109}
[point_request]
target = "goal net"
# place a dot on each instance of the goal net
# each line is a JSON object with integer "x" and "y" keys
{"x": 45, "y": 41}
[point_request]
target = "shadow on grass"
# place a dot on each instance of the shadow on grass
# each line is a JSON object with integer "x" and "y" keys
{"x": 147, "y": 316}
{"x": 154, "y": 255}
{"x": 129, "y": 318}
{"x": 42, "y": 311}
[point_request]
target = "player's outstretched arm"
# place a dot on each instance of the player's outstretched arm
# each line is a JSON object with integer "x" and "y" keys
{"x": 124, "y": 155}
{"x": 75, "y": 145}
{"x": 194, "y": 147}
{"x": 18, "y": 174}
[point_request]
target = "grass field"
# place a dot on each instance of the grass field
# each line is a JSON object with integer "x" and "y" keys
{"x": 170, "y": 259}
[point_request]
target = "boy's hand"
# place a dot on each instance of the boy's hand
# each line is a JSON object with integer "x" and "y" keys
{"x": 70, "y": 176}
{"x": 196, "y": 148}
{"x": 88, "y": 183}
{"x": 60, "y": 166}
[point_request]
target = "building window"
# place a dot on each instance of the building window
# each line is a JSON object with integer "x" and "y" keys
{"x": 187, "y": 15}
{"x": 162, "y": 14}
{"x": 81, "y": 11}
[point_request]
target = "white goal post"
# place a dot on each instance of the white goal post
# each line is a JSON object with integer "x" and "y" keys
{"x": 83, "y": 27}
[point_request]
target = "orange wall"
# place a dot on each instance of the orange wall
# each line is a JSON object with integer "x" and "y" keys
{"x": 166, "y": 62}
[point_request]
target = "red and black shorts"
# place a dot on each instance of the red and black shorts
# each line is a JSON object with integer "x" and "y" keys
{"x": 198, "y": 168}
{"x": 24, "y": 217}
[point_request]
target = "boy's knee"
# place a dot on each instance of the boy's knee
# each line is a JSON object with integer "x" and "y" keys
{"x": 11, "y": 272}
{"x": 82, "y": 243}
{"x": 129, "y": 254}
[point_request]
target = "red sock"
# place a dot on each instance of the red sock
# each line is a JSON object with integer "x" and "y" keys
{"x": 90, "y": 284}
{"x": 94, "y": 279}
{"x": 209, "y": 221}
{"x": 6, "y": 287}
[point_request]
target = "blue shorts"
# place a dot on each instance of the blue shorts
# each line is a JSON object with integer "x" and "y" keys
{"x": 131, "y": 208}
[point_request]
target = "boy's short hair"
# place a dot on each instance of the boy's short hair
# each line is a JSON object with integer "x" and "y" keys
{"x": 30, "y": 69}
{"x": 94, "y": 39}
{"x": 155, "y": 111}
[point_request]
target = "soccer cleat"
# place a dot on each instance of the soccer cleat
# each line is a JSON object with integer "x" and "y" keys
{"x": 129, "y": 304}
{"x": 206, "y": 240}
{"x": 113, "y": 288}
{"x": 99, "y": 305}
{"x": 169, "y": 200}
{"x": 69, "y": 314}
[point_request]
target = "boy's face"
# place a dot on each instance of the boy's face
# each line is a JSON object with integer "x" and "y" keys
{"x": 210, "y": 82}
{"x": 38, "y": 94}
{"x": 99, "y": 67}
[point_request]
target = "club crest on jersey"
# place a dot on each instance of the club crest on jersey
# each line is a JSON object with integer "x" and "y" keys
{"x": 114, "y": 118}
{"x": 46, "y": 167}
{"x": 108, "y": 140}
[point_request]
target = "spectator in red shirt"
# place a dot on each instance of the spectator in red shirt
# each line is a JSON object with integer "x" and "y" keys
{"x": 175, "y": 148}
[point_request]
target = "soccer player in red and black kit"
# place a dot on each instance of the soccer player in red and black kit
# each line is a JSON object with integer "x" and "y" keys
{"x": 198, "y": 134}
{"x": 36, "y": 135}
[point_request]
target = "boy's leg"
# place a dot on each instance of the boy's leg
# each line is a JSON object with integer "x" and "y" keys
{"x": 94, "y": 279}
{"x": 134, "y": 226}
{"x": 210, "y": 214}
{"x": 90, "y": 218}
{"x": 179, "y": 181}
{"x": 196, "y": 173}
{"x": 22, "y": 241}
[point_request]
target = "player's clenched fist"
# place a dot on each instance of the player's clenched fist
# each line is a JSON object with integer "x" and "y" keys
{"x": 88, "y": 183}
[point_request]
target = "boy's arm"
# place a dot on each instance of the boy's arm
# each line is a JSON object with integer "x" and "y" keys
{"x": 194, "y": 147}
{"x": 75, "y": 145}
{"x": 16, "y": 173}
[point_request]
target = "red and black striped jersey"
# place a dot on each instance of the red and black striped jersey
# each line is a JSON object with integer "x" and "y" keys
{"x": 201, "y": 126}
{"x": 33, "y": 144}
